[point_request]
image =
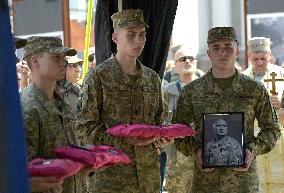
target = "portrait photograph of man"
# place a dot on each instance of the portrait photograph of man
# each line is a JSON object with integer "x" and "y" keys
{"x": 223, "y": 140}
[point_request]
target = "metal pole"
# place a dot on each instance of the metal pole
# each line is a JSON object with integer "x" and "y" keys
{"x": 87, "y": 38}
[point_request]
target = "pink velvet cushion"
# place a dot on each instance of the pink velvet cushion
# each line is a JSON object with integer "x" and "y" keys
{"x": 93, "y": 156}
{"x": 141, "y": 131}
{"x": 144, "y": 131}
{"x": 177, "y": 130}
{"x": 60, "y": 168}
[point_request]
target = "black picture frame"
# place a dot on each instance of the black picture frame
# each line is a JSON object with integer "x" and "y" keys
{"x": 223, "y": 139}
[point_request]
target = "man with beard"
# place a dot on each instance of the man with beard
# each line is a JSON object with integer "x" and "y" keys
{"x": 183, "y": 58}
{"x": 259, "y": 55}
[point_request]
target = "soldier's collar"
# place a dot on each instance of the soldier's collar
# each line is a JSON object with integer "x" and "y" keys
{"x": 122, "y": 77}
{"x": 213, "y": 87}
{"x": 48, "y": 105}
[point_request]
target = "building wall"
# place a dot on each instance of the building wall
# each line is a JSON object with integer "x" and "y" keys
{"x": 37, "y": 16}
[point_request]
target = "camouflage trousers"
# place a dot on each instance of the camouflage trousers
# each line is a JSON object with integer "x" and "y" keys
{"x": 179, "y": 172}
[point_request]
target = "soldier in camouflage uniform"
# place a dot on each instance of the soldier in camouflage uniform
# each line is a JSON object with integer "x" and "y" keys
{"x": 49, "y": 122}
{"x": 223, "y": 89}
{"x": 122, "y": 90}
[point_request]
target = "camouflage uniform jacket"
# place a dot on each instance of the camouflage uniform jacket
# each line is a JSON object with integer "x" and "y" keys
{"x": 228, "y": 149}
{"x": 109, "y": 98}
{"x": 205, "y": 96}
{"x": 45, "y": 130}
{"x": 70, "y": 93}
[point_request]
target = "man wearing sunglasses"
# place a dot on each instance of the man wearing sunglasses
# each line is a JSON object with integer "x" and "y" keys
{"x": 69, "y": 87}
{"x": 184, "y": 59}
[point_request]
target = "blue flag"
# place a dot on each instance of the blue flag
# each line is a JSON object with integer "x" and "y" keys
{"x": 13, "y": 158}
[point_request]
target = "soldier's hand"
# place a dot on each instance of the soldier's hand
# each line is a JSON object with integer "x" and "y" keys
{"x": 275, "y": 101}
{"x": 248, "y": 160}
{"x": 139, "y": 142}
{"x": 45, "y": 184}
{"x": 162, "y": 142}
{"x": 199, "y": 161}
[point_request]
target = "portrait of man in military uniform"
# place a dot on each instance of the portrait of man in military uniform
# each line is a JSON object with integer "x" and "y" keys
{"x": 221, "y": 146}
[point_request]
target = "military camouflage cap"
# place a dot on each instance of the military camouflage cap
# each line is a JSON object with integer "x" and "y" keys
{"x": 128, "y": 18}
{"x": 19, "y": 42}
{"x": 37, "y": 44}
{"x": 221, "y": 33}
{"x": 259, "y": 44}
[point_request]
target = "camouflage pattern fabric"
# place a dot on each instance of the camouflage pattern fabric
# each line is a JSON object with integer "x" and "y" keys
{"x": 221, "y": 33}
{"x": 40, "y": 44}
{"x": 179, "y": 171}
{"x": 231, "y": 152}
{"x": 45, "y": 130}
{"x": 110, "y": 97}
{"x": 205, "y": 96}
{"x": 128, "y": 18}
{"x": 180, "y": 167}
{"x": 71, "y": 94}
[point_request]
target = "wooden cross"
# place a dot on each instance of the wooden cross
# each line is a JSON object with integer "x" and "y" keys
{"x": 273, "y": 80}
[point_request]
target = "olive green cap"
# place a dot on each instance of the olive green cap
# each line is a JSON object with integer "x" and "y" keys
{"x": 40, "y": 44}
{"x": 221, "y": 33}
{"x": 128, "y": 18}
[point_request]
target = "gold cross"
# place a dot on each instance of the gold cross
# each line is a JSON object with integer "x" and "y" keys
{"x": 273, "y": 80}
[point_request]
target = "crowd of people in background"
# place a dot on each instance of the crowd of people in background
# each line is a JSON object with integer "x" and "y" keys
{"x": 49, "y": 76}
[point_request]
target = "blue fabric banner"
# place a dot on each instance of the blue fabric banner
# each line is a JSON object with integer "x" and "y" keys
{"x": 13, "y": 159}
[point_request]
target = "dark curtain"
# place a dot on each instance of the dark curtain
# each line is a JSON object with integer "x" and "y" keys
{"x": 159, "y": 15}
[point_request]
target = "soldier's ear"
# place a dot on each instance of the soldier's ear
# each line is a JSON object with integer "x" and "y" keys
{"x": 115, "y": 37}
{"x": 34, "y": 61}
{"x": 238, "y": 52}
{"x": 208, "y": 53}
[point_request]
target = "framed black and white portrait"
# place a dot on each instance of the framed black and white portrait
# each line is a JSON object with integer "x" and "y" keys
{"x": 223, "y": 139}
